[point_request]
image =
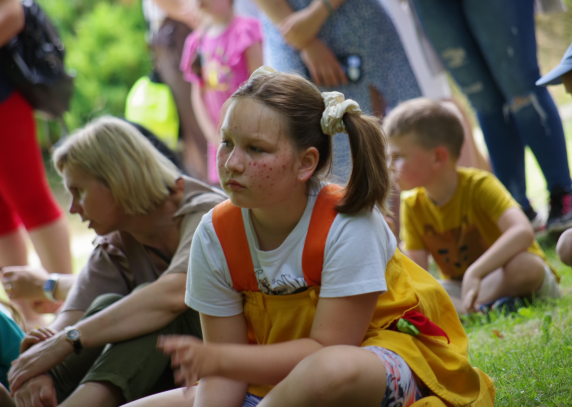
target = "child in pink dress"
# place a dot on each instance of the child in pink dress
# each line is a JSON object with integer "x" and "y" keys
{"x": 219, "y": 57}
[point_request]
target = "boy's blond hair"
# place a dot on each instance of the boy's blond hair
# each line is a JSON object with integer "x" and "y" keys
{"x": 431, "y": 123}
{"x": 118, "y": 155}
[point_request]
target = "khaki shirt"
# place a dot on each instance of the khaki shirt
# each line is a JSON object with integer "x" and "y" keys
{"x": 119, "y": 263}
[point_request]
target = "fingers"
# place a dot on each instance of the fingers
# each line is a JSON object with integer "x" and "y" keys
{"x": 470, "y": 300}
{"x": 48, "y": 396}
{"x": 28, "y": 342}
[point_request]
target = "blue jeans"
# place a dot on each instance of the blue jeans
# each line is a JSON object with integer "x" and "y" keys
{"x": 489, "y": 47}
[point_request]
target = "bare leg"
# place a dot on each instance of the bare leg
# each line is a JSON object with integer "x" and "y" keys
{"x": 564, "y": 247}
{"x": 176, "y": 397}
{"x": 52, "y": 243}
{"x": 334, "y": 376}
{"x": 522, "y": 275}
{"x": 96, "y": 394}
{"x": 13, "y": 250}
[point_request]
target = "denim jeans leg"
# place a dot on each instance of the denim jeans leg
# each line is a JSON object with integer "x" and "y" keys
{"x": 504, "y": 31}
{"x": 446, "y": 26}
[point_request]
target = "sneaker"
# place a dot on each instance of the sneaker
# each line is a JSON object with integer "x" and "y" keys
{"x": 536, "y": 220}
{"x": 560, "y": 215}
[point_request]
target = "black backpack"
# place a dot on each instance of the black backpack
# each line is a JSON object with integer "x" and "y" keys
{"x": 34, "y": 63}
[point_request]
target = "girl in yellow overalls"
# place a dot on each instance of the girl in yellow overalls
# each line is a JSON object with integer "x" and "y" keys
{"x": 304, "y": 298}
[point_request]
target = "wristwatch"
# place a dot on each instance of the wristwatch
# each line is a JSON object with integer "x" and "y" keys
{"x": 74, "y": 337}
{"x": 50, "y": 287}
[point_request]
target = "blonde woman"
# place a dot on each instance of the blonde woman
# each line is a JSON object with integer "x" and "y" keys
{"x": 145, "y": 213}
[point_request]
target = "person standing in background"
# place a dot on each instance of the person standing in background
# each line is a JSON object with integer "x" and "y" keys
{"x": 217, "y": 58}
{"x": 316, "y": 38}
{"x": 170, "y": 22}
{"x": 25, "y": 196}
{"x": 489, "y": 47}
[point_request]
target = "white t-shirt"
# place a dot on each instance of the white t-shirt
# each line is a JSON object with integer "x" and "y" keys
{"x": 358, "y": 248}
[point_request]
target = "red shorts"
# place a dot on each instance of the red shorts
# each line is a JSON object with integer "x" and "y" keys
{"x": 25, "y": 196}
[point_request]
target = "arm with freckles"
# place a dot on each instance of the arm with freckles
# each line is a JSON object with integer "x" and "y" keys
{"x": 338, "y": 321}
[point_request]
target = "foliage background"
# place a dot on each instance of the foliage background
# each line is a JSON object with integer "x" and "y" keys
{"x": 106, "y": 50}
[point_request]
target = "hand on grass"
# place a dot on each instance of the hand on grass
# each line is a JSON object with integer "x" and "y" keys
{"x": 323, "y": 65}
{"x": 469, "y": 291}
{"x": 38, "y": 392}
{"x": 36, "y": 336}
{"x": 190, "y": 358}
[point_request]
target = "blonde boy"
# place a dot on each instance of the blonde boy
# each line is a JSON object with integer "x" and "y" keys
{"x": 479, "y": 237}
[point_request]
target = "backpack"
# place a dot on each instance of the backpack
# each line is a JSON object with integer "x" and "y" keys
{"x": 34, "y": 63}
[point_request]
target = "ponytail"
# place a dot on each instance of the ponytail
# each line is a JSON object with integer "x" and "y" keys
{"x": 369, "y": 182}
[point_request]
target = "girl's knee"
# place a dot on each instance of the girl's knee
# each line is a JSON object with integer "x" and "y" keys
{"x": 564, "y": 247}
{"x": 525, "y": 268}
{"x": 328, "y": 373}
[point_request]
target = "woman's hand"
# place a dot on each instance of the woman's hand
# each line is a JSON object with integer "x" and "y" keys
{"x": 39, "y": 359}
{"x": 24, "y": 282}
{"x": 300, "y": 27}
{"x": 190, "y": 358}
{"x": 470, "y": 290}
{"x": 323, "y": 65}
{"x": 37, "y": 392}
{"x": 34, "y": 337}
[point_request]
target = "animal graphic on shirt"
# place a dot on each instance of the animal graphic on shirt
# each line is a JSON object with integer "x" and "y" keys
{"x": 454, "y": 250}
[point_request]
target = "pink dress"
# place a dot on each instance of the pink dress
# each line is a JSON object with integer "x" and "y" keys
{"x": 224, "y": 69}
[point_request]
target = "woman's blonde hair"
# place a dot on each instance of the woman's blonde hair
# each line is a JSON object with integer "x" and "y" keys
{"x": 118, "y": 155}
{"x": 301, "y": 105}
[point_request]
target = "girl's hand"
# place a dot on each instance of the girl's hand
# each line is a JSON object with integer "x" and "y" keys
{"x": 190, "y": 358}
{"x": 36, "y": 336}
{"x": 470, "y": 290}
{"x": 300, "y": 27}
{"x": 323, "y": 65}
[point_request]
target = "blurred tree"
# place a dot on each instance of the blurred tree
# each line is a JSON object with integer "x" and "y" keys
{"x": 107, "y": 51}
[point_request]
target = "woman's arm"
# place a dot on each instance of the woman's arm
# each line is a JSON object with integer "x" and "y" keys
{"x": 203, "y": 117}
{"x": 140, "y": 313}
{"x": 28, "y": 283}
{"x": 338, "y": 321}
{"x": 11, "y": 20}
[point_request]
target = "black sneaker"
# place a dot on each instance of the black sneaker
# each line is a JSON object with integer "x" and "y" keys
{"x": 560, "y": 215}
{"x": 535, "y": 219}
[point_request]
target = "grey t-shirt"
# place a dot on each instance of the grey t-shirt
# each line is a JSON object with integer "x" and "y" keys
{"x": 119, "y": 263}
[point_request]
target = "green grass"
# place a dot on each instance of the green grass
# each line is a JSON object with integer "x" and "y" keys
{"x": 531, "y": 362}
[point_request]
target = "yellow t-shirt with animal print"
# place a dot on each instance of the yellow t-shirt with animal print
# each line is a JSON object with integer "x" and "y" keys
{"x": 460, "y": 231}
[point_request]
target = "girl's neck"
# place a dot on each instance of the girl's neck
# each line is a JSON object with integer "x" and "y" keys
{"x": 272, "y": 225}
{"x": 219, "y": 22}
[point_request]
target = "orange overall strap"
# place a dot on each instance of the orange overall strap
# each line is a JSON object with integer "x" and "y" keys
{"x": 323, "y": 216}
{"x": 229, "y": 228}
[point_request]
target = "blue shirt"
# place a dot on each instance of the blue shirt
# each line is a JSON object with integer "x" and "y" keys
{"x": 10, "y": 337}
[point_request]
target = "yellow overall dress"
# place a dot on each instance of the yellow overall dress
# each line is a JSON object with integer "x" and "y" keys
{"x": 443, "y": 367}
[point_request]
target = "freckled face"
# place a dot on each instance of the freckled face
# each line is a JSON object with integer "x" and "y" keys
{"x": 256, "y": 161}
{"x": 92, "y": 201}
{"x": 410, "y": 164}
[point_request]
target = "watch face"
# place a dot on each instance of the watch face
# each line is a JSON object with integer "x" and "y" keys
{"x": 49, "y": 285}
{"x": 73, "y": 334}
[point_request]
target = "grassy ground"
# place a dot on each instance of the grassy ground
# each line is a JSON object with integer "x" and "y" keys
{"x": 529, "y": 354}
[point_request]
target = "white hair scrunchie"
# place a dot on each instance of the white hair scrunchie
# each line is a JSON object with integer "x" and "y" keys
{"x": 336, "y": 107}
{"x": 263, "y": 70}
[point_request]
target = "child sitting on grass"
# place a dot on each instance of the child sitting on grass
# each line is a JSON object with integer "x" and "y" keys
{"x": 477, "y": 234}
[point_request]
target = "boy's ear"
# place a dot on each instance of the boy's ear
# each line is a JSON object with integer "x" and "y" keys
{"x": 441, "y": 155}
